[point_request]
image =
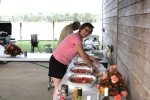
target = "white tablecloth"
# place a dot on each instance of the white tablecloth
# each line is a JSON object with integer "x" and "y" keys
{"x": 30, "y": 57}
{"x": 89, "y": 92}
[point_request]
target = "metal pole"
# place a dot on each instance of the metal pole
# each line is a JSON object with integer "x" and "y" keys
{"x": 20, "y": 33}
{"x": 53, "y": 34}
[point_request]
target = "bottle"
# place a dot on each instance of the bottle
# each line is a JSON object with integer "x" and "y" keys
{"x": 65, "y": 88}
{"x": 80, "y": 94}
{"x": 75, "y": 93}
{"x": 106, "y": 97}
{"x": 25, "y": 53}
{"x": 98, "y": 95}
{"x": 61, "y": 94}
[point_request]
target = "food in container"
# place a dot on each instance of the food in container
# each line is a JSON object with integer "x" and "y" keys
{"x": 85, "y": 81}
{"x": 80, "y": 63}
{"x": 81, "y": 80}
{"x": 81, "y": 70}
{"x": 61, "y": 94}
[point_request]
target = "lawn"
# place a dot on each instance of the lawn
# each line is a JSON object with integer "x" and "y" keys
{"x": 26, "y": 45}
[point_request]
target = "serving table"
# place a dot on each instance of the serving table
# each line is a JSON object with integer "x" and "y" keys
{"x": 30, "y": 57}
{"x": 92, "y": 92}
{"x": 39, "y": 57}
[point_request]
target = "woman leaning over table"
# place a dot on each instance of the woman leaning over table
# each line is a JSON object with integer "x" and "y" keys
{"x": 66, "y": 51}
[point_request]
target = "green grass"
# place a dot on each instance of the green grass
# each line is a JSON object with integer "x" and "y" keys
{"x": 26, "y": 45}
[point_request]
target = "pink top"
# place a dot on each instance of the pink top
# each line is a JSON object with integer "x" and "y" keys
{"x": 66, "y": 51}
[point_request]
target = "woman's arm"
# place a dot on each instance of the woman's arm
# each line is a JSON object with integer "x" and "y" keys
{"x": 84, "y": 56}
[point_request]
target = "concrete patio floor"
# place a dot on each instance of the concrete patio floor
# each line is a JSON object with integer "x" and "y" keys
{"x": 24, "y": 81}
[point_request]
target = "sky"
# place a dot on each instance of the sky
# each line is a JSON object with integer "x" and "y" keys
{"x": 45, "y": 6}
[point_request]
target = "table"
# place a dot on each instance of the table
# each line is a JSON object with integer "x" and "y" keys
{"x": 39, "y": 57}
{"x": 30, "y": 57}
{"x": 89, "y": 92}
{"x": 92, "y": 91}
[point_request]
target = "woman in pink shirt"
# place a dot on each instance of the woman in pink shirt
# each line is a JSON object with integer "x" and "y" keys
{"x": 66, "y": 51}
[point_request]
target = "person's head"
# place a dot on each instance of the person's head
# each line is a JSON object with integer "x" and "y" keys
{"x": 75, "y": 25}
{"x": 86, "y": 29}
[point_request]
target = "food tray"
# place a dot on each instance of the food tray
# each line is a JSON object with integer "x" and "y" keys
{"x": 80, "y": 63}
{"x": 97, "y": 52}
{"x": 82, "y": 68}
{"x": 84, "y": 86}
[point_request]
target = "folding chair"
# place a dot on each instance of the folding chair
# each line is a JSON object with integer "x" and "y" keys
{"x": 50, "y": 83}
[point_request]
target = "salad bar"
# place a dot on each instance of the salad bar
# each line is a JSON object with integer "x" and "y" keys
{"x": 81, "y": 76}
{"x": 81, "y": 82}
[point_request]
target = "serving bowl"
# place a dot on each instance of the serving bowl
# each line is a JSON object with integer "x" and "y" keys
{"x": 84, "y": 85}
{"x": 80, "y": 63}
{"x": 81, "y": 70}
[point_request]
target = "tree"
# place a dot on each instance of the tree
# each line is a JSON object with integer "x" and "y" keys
{"x": 58, "y": 17}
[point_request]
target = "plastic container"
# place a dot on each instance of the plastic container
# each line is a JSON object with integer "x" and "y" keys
{"x": 84, "y": 86}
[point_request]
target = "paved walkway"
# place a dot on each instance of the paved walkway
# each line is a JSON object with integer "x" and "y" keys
{"x": 24, "y": 81}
